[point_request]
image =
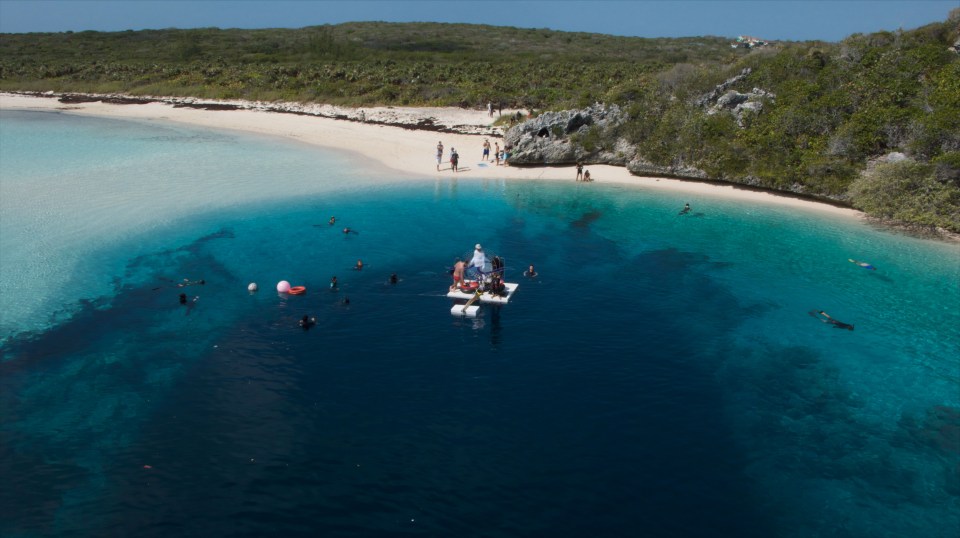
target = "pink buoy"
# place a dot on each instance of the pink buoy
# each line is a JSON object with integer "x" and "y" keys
{"x": 283, "y": 286}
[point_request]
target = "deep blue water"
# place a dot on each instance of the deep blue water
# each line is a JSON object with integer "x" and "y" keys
{"x": 660, "y": 377}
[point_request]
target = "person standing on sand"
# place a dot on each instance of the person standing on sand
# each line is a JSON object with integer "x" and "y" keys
{"x": 496, "y": 152}
{"x": 490, "y": 109}
{"x": 439, "y": 154}
{"x": 579, "y": 171}
{"x": 454, "y": 159}
{"x": 486, "y": 150}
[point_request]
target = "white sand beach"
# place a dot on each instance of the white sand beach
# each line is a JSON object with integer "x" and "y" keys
{"x": 411, "y": 152}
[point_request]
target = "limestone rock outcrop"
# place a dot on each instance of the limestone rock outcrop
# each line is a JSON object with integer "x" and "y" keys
{"x": 567, "y": 136}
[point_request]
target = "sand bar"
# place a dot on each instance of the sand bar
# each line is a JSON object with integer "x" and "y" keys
{"x": 410, "y": 152}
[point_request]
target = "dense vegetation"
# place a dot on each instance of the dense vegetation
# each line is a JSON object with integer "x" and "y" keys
{"x": 836, "y": 108}
{"x": 833, "y": 108}
{"x": 358, "y": 64}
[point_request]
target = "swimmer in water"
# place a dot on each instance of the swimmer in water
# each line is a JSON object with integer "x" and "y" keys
{"x": 393, "y": 278}
{"x": 183, "y": 298}
{"x": 530, "y": 272}
{"x": 824, "y": 317}
{"x": 345, "y": 301}
{"x": 359, "y": 265}
{"x": 333, "y": 284}
{"x": 685, "y": 210}
{"x": 187, "y": 282}
{"x": 865, "y": 265}
{"x": 306, "y": 322}
{"x": 333, "y": 220}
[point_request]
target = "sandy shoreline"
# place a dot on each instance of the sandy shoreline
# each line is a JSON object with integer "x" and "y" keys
{"x": 408, "y": 151}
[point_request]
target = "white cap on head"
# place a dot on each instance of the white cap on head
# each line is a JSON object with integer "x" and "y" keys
{"x": 478, "y": 247}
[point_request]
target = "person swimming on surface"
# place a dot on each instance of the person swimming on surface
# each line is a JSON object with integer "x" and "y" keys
{"x": 358, "y": 266}
{"x": 183, "y": 298}
{"x": 333, "y": 220}
{"x": 334, "y": 285}
{"x": 188, "y": 282}
{"x": 530, "y": 272}
{"x": 306, "y": 322}
{"x": 865, "y": 265}
{"x": 393, "y": 278}
{"x": 685, "y": 210}
{"x": 824, "y": 317}
{"x": 345, "y": 301}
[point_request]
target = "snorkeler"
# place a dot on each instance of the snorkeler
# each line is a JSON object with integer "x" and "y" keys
{"x": 824, "y": 317}
{"x": 183, "y": 298}
{"x": 306, "y": 322}
{"x": 530, "y": 272}
{"x": 188, "y": 282}
{"x": 345, "y": 301}
{"x": 349, "y": 231}
{"x": 865, "y": 265}
{"x": 685, "y": 210}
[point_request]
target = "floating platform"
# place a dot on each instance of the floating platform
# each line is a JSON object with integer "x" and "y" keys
{"x": 464, "y": 310}
{"x": 486, "y": 297}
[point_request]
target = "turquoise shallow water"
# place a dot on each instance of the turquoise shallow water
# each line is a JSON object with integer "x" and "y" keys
{"x": 661, "y": 375}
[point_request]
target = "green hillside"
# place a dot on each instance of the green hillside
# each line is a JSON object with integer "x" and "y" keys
{"x": 359, "y": 64}
{"x": 825, "y": 112}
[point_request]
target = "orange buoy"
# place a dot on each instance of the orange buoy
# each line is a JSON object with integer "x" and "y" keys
{"x": 297, "y": 290}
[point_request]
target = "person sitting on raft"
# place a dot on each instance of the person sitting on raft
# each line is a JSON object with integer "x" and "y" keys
{"x": 824, "y": 317}
{"x": 306, "y": 322}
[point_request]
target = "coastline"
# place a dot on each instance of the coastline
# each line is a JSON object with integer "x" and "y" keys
{"x": 402, "y": 139}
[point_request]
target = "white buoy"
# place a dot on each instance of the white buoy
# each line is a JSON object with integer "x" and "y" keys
{"x": 283, "y": 286}
{"x": 252, "y": 286}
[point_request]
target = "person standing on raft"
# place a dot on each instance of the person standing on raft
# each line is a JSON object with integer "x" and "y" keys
{"x": 457, "y": 274}
{"x": 478, "y": 261}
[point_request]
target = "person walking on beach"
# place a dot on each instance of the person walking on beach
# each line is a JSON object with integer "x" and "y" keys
{"x": 486, "y": 150}
{"x": 490, "y": 109}
{"x": 439, "y": 154}
{"x": 579, "y": 171}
